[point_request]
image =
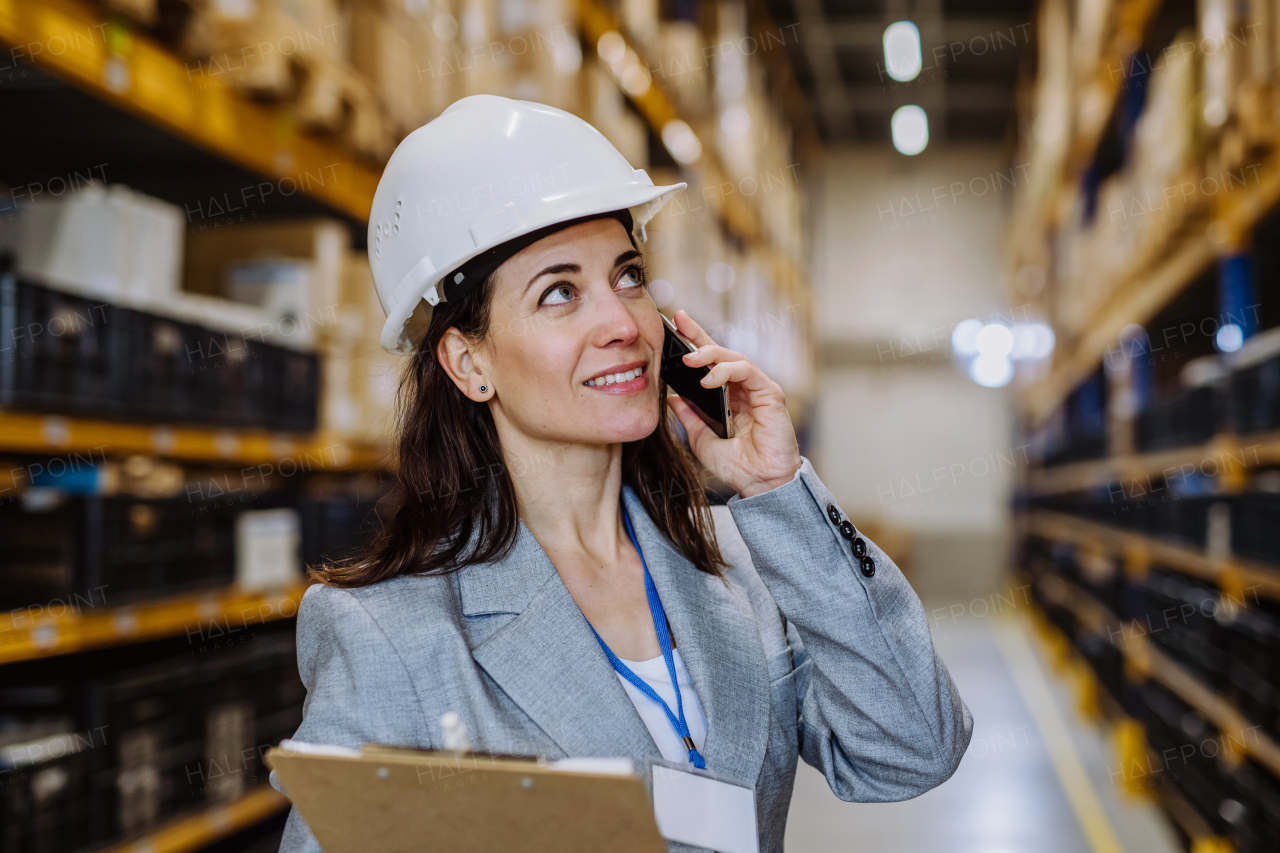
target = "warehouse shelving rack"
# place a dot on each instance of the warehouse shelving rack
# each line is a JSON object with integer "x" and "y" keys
{"x": 65, "y": 626}
{"x": 1142, "y": 663}
{"x": 204, "y": 827}
{"x": 1138, "y": 551}
{"x": 1178, "y": 254}
{"x": 1227, "y": 456}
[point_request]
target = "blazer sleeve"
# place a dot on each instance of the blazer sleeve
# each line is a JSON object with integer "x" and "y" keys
{"x": 358, "y": 689}
{"x": 878, "y": 712}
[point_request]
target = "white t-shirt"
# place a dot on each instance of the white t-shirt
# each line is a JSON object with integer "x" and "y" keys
{"x": 654, "y": 673}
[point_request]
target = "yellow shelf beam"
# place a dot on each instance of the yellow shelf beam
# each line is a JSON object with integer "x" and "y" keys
{"x": 193, "y": 832}
{"x": 1228, "y": 455}
{"x": 96, "y": 52}
{"x": 83, "y": 622}
{"x": 1234, "y": 574}
{"x": 94, "y": 440}
{"x": 1142, "y": 661}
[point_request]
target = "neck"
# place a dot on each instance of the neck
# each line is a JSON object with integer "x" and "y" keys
{"x": 569, "y": 495}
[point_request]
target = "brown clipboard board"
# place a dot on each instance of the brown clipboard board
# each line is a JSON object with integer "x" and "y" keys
{"x": 390, "y": 800}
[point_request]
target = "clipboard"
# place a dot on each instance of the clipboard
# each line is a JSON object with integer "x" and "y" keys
{"x": 394, "y": 800}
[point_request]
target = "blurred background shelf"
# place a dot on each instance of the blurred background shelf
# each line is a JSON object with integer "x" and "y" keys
{"x": 111, "y": 60}
{"x": 193, "y": 832}
{"x": 1140, "y": 550}
{"x": 1137, "y": 643}
{"x": 1231, "y": 455}
{"x": 83, "y": 622}
{"x": 32, "y": 433}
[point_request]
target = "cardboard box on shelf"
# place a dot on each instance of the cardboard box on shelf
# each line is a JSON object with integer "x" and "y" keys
{"x": 257, "y": 45}
{"x": 547, "y": 60}
{"x": 360, "y": 378}
{"x": 145, "y": 12}
{"x": 607, "y": 112}
{"x": 683, "y": 69}
{"x": 212, "y": 256}
{"x": 366, "y": 129}
{"x": 382, "y": 48}
{"x": 108, "y": 242}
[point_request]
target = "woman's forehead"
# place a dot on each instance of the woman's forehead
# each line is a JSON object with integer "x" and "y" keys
{"x": 578, "y": 244}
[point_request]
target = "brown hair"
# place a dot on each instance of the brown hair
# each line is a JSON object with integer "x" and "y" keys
{"x": 452, "y": 480}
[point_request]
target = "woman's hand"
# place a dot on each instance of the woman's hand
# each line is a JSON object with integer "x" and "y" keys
{"x": 763, "y": 453}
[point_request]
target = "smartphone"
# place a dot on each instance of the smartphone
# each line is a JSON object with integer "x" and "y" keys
{"x": 711, "y": 404}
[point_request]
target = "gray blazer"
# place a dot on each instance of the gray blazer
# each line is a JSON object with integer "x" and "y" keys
{"x": 798, "y": 655}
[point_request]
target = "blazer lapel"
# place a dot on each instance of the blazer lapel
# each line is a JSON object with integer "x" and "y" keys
{"x": 547, "y": 659}
{"x": 716, "y": 633}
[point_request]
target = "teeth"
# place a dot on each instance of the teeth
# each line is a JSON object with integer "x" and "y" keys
{"x": 613, "y": 378}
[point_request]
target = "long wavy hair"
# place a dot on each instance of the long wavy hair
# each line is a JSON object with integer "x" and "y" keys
{"x": 452, "y": 481}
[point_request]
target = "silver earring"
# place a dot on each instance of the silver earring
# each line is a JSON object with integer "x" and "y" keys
{"x": 484, "y": 388}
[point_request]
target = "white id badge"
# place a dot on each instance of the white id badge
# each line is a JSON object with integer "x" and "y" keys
{"x": 700, "y": 808}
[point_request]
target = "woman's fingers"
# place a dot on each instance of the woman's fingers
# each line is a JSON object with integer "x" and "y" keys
{"x": 712, "y": 353}
{"x": 691, "y": 330}
{"x": 749, "y": 377}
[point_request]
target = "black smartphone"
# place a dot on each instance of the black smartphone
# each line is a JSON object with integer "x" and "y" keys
{"x": 711, "y": 404}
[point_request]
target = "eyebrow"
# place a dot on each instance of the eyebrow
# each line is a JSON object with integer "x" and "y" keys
{"x": 556, "y": 269}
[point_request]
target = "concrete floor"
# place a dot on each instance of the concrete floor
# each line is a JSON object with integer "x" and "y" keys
{"x": 1034, "y": 780}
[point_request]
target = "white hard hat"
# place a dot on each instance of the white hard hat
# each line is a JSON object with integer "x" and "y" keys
{"x": 486, "y": 171}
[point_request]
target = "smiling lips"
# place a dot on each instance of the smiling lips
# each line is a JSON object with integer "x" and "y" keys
{"x": 622, "y": 382}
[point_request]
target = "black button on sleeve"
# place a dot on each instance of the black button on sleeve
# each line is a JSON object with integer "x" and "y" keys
{"x": 833, "y": 513}
{"x": 847, "y": 530}
{"x": 859, "y": 548}
{"x": 868, "y": 566}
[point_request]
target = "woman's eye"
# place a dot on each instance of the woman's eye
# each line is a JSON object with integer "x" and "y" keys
{"x": 558, "y": 295}
{"x": 630, "y": 278}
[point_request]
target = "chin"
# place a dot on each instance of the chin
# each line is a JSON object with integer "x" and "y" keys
{"x": 631, "y": 426}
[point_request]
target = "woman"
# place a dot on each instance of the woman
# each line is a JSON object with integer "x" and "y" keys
{"x": 553, "y": 572}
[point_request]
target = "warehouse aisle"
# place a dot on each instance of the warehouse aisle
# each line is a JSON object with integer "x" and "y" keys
{"x": 1007, "y": 796}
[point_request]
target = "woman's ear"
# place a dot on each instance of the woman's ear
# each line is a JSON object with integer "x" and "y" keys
{"x": 464, "y": 366}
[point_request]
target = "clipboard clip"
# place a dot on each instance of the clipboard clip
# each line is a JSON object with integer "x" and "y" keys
{"x": 455, "y": 732}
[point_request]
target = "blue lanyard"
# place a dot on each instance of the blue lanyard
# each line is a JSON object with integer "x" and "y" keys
{"x": 664, "y": 640}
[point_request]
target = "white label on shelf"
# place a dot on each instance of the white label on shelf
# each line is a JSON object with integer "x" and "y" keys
{"x": 44, "y": 637}
{"x": 268, "y": 549}
{"x": 116, "y": 76}
{"x": 220, "y": 820}
{"x": 208, "y": 608}
{"x": 163, "y": 440}
{"x": 226, "y": 444}
{"x": 125, "y": 622}
{"x": 282, "y": 447}
{"x": 55, "y": 431}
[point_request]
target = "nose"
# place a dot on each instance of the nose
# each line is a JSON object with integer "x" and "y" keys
{"x": 614, "y": 324}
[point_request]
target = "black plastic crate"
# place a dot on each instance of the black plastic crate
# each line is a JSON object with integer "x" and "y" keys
{"x": 1255, "y": 397}
{"x": 92, "y": 550}
{"x": 1190, "y": 417}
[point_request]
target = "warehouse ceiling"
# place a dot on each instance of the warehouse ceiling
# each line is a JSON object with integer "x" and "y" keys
{"x": 972, "y": 50}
